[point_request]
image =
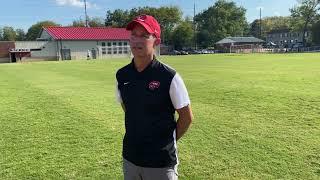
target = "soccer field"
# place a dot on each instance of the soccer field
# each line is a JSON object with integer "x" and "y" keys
{"x": 256, "y": 117}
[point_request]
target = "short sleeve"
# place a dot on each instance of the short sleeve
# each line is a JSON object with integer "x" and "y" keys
{"x": 118, "y": 95}
{"x": 178, "y": 93}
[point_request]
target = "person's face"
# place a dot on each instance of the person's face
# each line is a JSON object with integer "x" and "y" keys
{"x": 142, "y": 43}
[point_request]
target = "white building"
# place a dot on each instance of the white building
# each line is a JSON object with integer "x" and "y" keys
{"x": 66, "y": 43}
{"x": 69, "y": 43}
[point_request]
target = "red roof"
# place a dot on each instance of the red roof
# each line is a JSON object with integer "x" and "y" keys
{"x": 88, "y": 33}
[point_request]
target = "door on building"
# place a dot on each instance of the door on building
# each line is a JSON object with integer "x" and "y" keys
{"x": 13, "y": 57}
{"x": 94, "y": 54}
{"x": 66, "y": 54}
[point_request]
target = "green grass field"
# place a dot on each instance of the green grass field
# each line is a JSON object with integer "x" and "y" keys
{"x": 256, "y": 117}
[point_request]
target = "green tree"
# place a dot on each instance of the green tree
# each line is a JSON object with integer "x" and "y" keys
{"x": 78, "y": 23}
{"x": 96, "y": 22}
{"x": 9, "y": 34}
{"x": 269, "y": 24}
{"x": 222, "y": 19}
{"x": 92, "y": 22}
{"x": 205, "y": 38}
{"x": 117, "y": 18}
{"x": 21, "y": 35}
{"x": 304, "y": 15}
{"x": 255, "y": 29}
{"x": 34, "y": 30}
{"x": 182, "y": 36}
{"x": 1, "y": 34}
{"x": 316, "y": 33}
{"x": 167, "y": 16}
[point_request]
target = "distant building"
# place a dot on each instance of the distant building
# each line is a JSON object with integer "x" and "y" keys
{"x": 5, "y": 47}
{"x": 228, "y": 43}
{"x": 69, "y": 43}
{"x": 286, "y": 38}
{"x": 66, "y": 43}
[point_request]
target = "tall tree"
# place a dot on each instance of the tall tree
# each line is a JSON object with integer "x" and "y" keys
{"x": 316, "y": 33}
{"x": 92, "y": 22}
{"x": 269, "y": 24}
{"x": 34, "y": 30}
{"x": 255, "y": 28}
{"x": 304, "y": 15}
{"x": 168, "y": 17}
{"x": 21, "y": 35}
{"x": 182, "y": 35}
{"x": 1, "y": 34}
{"x": 78, "y": 23}
{"x": 117, "y": 18}
{"x": 96, "y": 22}
{"x": 222, "y": 19}
{"x": 9, "y": 34}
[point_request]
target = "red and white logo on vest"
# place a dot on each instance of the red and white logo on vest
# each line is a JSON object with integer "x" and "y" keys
{"x": 154, "y": 85}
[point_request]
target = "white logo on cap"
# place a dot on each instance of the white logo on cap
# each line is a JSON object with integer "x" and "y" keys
{"x": 141, "y": 18}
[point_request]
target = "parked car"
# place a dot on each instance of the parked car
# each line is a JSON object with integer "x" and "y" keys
{"x": 210, "y": 51}
{"x": 204, "y": 51}
{"x": 194, "y": 52}
{"x": 298, "y": 45}
{"x": 184, "y": 52}
{"x": 175, "y": 52}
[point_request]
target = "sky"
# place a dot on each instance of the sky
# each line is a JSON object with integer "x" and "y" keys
{"x": 24, "y": 13}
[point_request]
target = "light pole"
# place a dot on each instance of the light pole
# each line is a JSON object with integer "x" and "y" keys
{"x": 85, "y": 12}
{"x": 194, "y": 26}
{"x": 260, "y": 24}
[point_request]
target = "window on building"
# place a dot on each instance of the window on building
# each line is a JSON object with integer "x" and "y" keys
{"x": 103, "y": 49}
{"x": 125, "y": 48}
{"x": 120, "y": 47}
{"x": 109, "y": 48}
{"x": 115, "y": 48}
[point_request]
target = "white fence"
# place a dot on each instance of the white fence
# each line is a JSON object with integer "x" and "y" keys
{"x": 259, "y": 49}
{"x": 293, "y": 50}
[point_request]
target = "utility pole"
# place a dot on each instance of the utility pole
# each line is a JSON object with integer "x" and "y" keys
{"x": 260, "y": 24}
{"x": 194, "y": 26}
{"x": 85, "y": 12}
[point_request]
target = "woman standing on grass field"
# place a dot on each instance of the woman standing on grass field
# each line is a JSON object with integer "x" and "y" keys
{"x": 150, "y": 92}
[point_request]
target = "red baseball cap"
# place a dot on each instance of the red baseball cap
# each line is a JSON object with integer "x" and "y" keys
{"x": 148, "y": 22}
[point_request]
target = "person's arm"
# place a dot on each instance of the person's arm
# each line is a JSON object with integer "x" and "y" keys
{"x": 184, "y": 121}
{"x": 181, "y": 102}
{"x": 118, "y": 97}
